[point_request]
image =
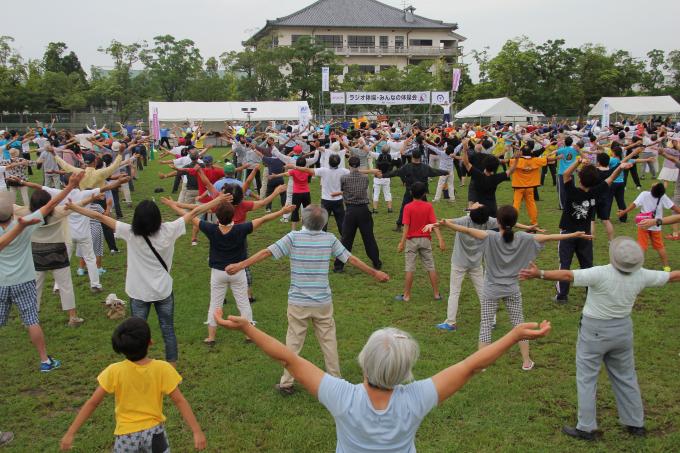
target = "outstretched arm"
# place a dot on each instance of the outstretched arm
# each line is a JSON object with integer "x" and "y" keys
{"x": 256, "y": 258}
{"x": 305, "y": 372}
{"x": 376, "y": 274}
{"x": 188, "y": 415}
{"x": 475, "y": 233}
{"x": 7, "y": 238}
{"x": 257, "y": 223}
{"x": 265, "y": 201}
{"x": 450, "y": 380}
{"x": 541, "y": 238}
{"x": 73, "y": 182}
{"x": 84, "y": 413}
{"x": 103, "y": 219}
{"x": 563, "y": 275}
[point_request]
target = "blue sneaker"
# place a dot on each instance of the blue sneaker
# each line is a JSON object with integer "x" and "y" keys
{"x": 101, "y": 271}
{"x": 80, "y": 272}
{"x": 447, "y": 326}
{"x": 53, "y": 364}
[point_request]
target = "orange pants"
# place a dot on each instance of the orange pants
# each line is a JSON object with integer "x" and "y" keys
{"x": 644, "y": 237}
{"x": 526, "y": 194}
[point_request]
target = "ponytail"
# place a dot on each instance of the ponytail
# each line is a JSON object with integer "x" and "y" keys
{"x": 508, "y": 234}
{"x": 507, "y": 218}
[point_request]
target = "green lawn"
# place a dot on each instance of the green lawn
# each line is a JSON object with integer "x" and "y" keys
{"x": 230, "y": 387}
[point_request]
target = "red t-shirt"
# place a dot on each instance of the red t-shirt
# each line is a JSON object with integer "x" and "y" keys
{"x": 300, "y": 181}
{"x": 241, "y": 211}
{"x": 214, "y": 174}
{"x": 417, "y": 214}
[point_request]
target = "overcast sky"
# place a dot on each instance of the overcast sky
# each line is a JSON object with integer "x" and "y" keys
{"x": 221, "y": 25}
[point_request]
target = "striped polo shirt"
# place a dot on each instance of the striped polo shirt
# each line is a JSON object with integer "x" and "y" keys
{"x": 309, "y": 253}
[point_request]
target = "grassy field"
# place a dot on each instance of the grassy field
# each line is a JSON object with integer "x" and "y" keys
{"x": 231, "y": 385}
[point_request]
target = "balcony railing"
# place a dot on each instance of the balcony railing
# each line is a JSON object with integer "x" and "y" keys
{"x": 386, "y": 50}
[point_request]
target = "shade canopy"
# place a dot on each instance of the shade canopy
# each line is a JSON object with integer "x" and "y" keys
{"x": 498, "y": 109}
{"x": 227, "y": 111}
{"x": 637, "y": 105}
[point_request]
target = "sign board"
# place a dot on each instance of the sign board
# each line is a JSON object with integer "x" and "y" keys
{"x": 440, "y": 98}
{"x": 304, "y": 114}
{"x": 605, "y": 114}
{"x": 337, "y": 97}
{"x": 388, "y": 97}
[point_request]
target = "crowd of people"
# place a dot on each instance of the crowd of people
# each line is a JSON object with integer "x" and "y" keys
{"x": 80, "y": 176}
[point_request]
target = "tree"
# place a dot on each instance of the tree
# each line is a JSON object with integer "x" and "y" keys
{"x": 210, "y": 86}
{"x": 305, "y": 59}
{"x": 118, "y": 86}
{"x": 653, "y": 79}
{"x": 258, "y": 69}
{"x": 172, "y": 65}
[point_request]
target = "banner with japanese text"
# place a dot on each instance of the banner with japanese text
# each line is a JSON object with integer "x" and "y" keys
{"x": 388, "y": 97}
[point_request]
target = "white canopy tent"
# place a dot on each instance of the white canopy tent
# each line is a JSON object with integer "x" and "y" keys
{"x": 637, "y": 105}
{"x": 227, "y": 111}
{"x": 498, "y": 109}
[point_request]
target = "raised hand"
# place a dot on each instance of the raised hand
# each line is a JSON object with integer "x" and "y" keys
{"x": 288, "y": 209}
{"x": 428, "y": 228}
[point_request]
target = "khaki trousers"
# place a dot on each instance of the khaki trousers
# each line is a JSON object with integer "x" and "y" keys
{"x": 324, "y": 329}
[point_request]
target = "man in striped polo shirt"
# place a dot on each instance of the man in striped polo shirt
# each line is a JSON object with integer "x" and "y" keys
{"x": 309, "y": 295}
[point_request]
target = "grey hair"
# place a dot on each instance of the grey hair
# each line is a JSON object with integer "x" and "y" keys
{"x": 388, "y": 358}
{"x": 314, "y": 217}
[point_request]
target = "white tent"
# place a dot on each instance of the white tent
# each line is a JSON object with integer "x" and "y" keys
{"x": 226, "y": 111}
{"x": 498, "y": 109}
{"x": 637, "y": 105}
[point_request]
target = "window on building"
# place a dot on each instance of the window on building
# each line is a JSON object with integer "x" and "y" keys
{"x": 275, "y": 41}
{"x": 384, "y": 42}
{"x": 361, "y": 41}
{"x": 399, "y": 42}
{"x": 329, "y": 41}
{"x": 296, "y": 38}
{"x": 386, "y": 67}
{"x": 420, "y": 42}
{"x": 367, "y": 69}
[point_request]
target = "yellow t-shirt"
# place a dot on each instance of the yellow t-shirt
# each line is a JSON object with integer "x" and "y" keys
{"x": 200, "y": 143}
{"x": 139, "y": 391}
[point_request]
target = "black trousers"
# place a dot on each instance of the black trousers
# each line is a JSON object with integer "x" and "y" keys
{"x": 337, "y": 209}
{"x": 617, "y": 192}
{"x": 115, "y": 194}
{"x": 271, "y": 186}
{"x": 109, "y": 237}
{"x": 166, "y": 141}
{"x": 406, "y": 200}
{"x": 553, "y": 173}
{"x": 27, "y": 156}
{"x": 566, "y": 249}
{"x": 359, "y": 217}
{"x": 300, "y": 200}
{"x": 258, "y": 179}
{"x": 176, "y": 182}
{"x": 634, "y": 174}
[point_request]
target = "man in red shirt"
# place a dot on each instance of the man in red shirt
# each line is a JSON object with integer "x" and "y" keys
{"x": 416, "y": 243}
{"x": 213, "y": 174}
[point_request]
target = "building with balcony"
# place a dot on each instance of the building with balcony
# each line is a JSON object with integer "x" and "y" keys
{"x": 367, "y": 33}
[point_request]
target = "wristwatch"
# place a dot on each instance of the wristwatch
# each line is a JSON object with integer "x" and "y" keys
{"x": 659, "y": 222}
{"x": 542, "y": 275}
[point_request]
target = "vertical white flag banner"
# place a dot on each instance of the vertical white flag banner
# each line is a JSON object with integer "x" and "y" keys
{"x": 605, "y": 114}
{"x": 455, "y": 84}
{"x": 304, "y": 115}
{"x": 325, "y": 79}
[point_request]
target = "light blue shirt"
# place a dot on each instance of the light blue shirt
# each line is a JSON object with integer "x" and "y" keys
{"x": 569, "y": 155}
{"x": 309, "y": 253}
{"x": 613, "y": 163}
{"x": 360, "y": 428}
{"x": 16, "y": 260}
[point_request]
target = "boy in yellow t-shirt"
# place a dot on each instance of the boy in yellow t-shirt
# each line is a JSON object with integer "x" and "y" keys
{"x": 139, "y": 384}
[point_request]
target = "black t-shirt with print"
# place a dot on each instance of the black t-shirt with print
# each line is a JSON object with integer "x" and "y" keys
{"x": 485, "y": 187}
{"x": 579, "y": 206}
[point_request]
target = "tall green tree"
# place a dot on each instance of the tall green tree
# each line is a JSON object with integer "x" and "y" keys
{"x": 118, "y": 85}
{"x": 305, "y": 58}
{"x": 172, "y": 64}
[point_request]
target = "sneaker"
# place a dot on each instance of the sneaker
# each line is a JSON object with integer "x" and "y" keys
{"x": 447, "y": 326}
{"x": 252, "y": 300}
{"x": 389, "y": 210}
{"x": 560, "y": 300}
{"x": 578, "y": 434}
{"x": 666, "y": 268}
{"x": 636, "y": 431}
{"x": 101, "y": 271}
{"x": 268, "y": 211}
{"x": 96, "y": 289}
{"x": 113, "y": 252}
{"x": 401, "y": 298}
{"x": 285, "y": 391}
{"x": 283, "y": 220}
{"x": 53, "y": 364}
{"x": 81, "y": 272}
{"x": 75, "y": 322}
{"x": 338, "y": 270}
{"x": 397, "y": 229}
{"x": 194, "y": 243}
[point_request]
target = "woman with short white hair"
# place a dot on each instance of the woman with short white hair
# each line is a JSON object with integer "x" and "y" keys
{"x": 382, "y": 413}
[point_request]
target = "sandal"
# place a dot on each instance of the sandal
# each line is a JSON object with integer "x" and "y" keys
{"x": 529, "y": 368}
